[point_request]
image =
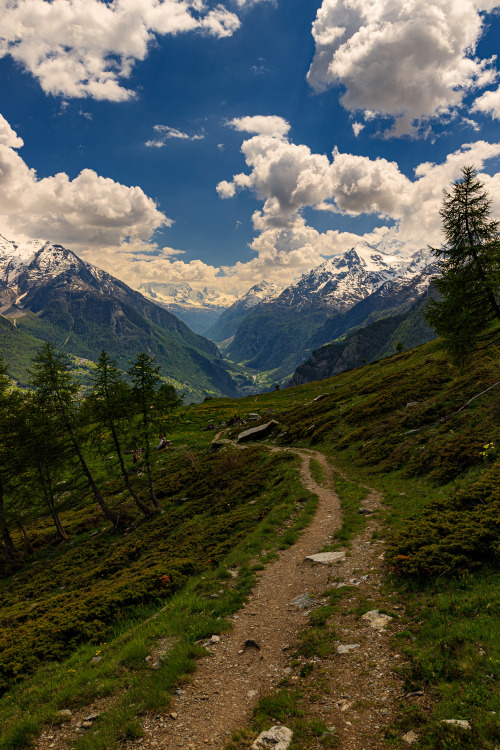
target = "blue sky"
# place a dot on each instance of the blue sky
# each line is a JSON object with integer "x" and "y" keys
{"x": 194, "y": 141}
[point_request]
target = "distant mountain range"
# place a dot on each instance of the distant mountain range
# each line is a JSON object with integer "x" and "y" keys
{"x": 51, "y": 294}
{"x": 359, "y": 303}
{"x": 199, "y": 309}
{"x": 228, "y": 322}
{"x": 348, "y": 291}
{"x": 369, "y": 343}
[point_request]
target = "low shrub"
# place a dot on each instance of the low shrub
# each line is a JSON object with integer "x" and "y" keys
{"x": 454, "y": 534}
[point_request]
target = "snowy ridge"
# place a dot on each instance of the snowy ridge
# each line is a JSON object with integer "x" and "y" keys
{"x": 262, "y": 292}
{"x": 342, "y": 281}
{"x": 184, "y": 294}
{"x": 40, "y": 261}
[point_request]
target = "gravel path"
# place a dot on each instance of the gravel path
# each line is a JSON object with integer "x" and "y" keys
{"x": 227, "y": 684}
{"x": 362, "y": 687}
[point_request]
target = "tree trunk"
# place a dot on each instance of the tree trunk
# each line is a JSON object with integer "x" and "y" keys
{"x": 8, "y": 544}
{"x": 144, "y": 508}
{"x": 49, "y": 499}
{"x": 147, "y": 462}
{"x": 27, "y": 542}
{"x": 108, "y": 513}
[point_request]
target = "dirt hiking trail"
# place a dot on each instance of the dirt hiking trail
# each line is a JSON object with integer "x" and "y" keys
{"x": 362, "y": 687}
{"x": 354, "y": 691}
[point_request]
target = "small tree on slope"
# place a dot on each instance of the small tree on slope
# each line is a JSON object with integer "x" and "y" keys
{"x": 56, "y": 388}
{"x": 470, "y": 268}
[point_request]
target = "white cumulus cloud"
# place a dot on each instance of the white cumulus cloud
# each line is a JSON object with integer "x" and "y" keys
{"x": 9, "y": 137}
{"x": 261, "y": 125}
{"x": 488, "y": 103}
{"x": 89, "y": 210}
{"x": 407, "y": 59}
{"x": 288, "y": 178}
{"x": 86, "y": 48}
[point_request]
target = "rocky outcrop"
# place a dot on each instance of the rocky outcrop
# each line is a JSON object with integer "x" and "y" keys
{"x": 257, "y": 433}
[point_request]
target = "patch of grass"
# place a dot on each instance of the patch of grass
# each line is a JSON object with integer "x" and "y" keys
{"x": 317, "y": 471}
{"x": 351, "y": 495}
{"x": 278, "y": 706}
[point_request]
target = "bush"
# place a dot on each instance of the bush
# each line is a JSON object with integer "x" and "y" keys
{"x": 452, "y": 535}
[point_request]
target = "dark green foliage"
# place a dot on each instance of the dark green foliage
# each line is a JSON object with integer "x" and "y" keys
{"x": 90, "y": 317}
{"x": 151, "y": 399}
{"x": 56, "y": 390}
{"x": 77, "y": 594}
{"x": 110, "y": 404}
{"x": 367, "y": 344}
{"x": 469, "y": 264}
{"x": 453, "y": 534}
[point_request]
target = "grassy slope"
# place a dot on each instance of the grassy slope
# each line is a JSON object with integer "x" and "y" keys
{"x": 367, "y": 425}
{"x": 392, "y": 424}
{"x": 185, "y": 365}
{"x": 96, "y": 595}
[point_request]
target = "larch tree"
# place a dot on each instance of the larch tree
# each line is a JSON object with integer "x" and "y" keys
{"x": 57, "y": 389}
{"x": 110, "y": 403}
{"x": 469, "y": 262}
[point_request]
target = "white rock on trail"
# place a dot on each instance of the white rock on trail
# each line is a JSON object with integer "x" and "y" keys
{"x": 325, "y": 558}
{"x": 346, "y": 649}
{"x": 279, "y": 738}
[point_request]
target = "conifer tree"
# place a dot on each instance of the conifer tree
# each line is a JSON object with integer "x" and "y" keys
{"x": 110, "y": 402}
{"x": 57, "y": 389}
{"x": 45, "y": 452}
{"x": 469, "y": 262}
{"x": 8, "y": 418}
{"x": 145, "y": 376}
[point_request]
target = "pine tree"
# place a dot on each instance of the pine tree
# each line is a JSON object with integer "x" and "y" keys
{"x": 8, "y": 419}
{"x": 46, "y": 453}
{"x": 469, "y": 262}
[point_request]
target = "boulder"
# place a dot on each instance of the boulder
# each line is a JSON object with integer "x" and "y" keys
{"x": 346, "y": 649}
{"x": 279, "y": 738}
{"x": 457, "y": 723}
{"x": 257, "y": 433}
{"x": 410, "y": 738}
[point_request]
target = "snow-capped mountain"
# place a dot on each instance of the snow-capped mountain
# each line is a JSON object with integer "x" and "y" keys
{"x": 342, "y": 281}
{"x": 324, "y": 303}
{"x": 198, "y": 308}
{"x": 28, "y": 267}
{"x": 262, "y": 292}
{"x": 184, "y": 294}
{"x": 229, "y": 320}
{"x": 59, "y": 297}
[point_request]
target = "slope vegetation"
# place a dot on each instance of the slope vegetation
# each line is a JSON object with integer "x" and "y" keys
{"x": 424, "y": 434}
